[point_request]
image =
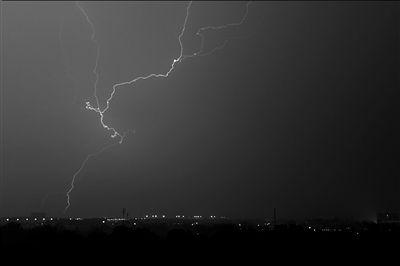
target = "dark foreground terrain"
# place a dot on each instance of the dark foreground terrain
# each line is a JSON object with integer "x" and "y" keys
{"x": 157, "y": 241}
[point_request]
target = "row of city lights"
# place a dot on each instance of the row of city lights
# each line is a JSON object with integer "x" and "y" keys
{"x": 147, "y": 216}
{"x": 27, "y": 219}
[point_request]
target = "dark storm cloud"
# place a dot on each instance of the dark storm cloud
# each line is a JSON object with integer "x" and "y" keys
{"x": 297, "y": 112}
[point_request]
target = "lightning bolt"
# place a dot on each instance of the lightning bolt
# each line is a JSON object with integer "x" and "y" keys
{"x": 81, "y": 168}
{"x": 89, "y": 106}
{"x": 96, "y": 108}
{"x": 200, "y": 33}
{"x": 153, "y": 75}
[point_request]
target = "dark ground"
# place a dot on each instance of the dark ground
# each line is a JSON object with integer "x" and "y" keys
{"x": 227, "y": 241}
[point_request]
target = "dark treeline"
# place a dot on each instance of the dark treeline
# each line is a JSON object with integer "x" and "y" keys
{"x": 213, "y": 238}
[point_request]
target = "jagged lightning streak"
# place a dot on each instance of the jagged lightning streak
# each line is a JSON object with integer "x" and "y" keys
{"x": 154, "y": 75}
{"x": 225, "y": 26}
{"x": 80, "y": 169}
{"x": 97, "y": 109}
{"x": 181, "y": 57}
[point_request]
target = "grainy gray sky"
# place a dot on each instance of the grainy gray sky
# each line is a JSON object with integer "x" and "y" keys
{"x": 297, "y": 112}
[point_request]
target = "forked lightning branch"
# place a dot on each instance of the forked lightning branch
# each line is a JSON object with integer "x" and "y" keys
{"x": 96, "y": 106}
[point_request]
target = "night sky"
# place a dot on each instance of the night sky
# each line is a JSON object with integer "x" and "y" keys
{"x": 299, "y": 111}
